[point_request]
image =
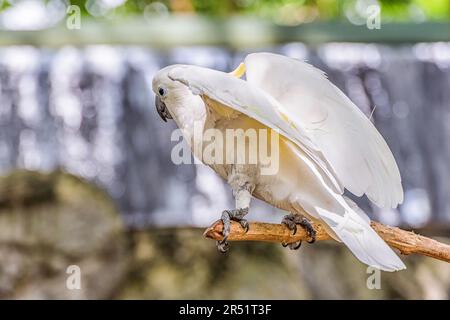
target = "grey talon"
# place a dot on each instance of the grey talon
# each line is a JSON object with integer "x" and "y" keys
{"x": 295, "y": 245}
{"x": 294, "y": 230}
{"x": 291, "y": 222}
{"x": 312, "y": 235}
{"x": 223, "y": 246}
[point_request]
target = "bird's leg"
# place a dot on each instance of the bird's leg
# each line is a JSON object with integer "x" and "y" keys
{"x": 291, "y": 221}
{"x": 242, "y": 193}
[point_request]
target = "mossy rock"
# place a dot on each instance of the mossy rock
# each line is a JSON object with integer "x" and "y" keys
{"x": 51, "y": 221}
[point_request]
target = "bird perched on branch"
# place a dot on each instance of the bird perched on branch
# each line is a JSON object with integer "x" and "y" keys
{"x": 320, "y": 143}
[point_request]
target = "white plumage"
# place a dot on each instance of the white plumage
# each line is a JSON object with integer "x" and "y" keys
{"x": 330, "y": 144}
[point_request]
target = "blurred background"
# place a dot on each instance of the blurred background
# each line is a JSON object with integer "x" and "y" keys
{"x": 86, "y": 174}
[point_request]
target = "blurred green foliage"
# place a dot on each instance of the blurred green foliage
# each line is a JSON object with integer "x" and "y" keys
{"x": 307, "y": 10}
{"x": 284, "y": 11}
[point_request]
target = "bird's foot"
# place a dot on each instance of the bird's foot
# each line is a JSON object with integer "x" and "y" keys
{"x": 291, "y": 221}
{"x": 227, "y": 216}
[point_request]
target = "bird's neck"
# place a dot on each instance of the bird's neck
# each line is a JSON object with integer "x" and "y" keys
{"x": 192, "y": 117}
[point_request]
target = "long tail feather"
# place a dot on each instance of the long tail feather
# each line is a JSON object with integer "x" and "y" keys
{"x": 357, "y": 234}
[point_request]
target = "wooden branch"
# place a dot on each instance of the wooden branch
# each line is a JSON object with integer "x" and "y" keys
{"x": 407, "y": 242}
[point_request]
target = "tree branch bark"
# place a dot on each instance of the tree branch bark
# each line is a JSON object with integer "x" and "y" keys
{"x": 407, "y": 242}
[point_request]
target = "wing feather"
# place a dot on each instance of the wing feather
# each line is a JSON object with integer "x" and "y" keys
{"x": 349, "y": 141}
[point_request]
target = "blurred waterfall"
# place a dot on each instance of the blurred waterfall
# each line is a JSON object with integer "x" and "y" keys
{"x": 91, "y": 112}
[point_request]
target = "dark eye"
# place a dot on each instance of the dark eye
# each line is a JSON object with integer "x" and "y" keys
{"x": 161, "y": 91}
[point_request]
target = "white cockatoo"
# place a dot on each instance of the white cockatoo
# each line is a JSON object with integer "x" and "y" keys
{"x": 326, "y": 145}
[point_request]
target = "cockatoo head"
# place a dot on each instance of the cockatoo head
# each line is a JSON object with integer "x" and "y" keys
{"x": 174, "y": 99}
{"x": 164, "y": 89}
{"x": 171, "y": 96}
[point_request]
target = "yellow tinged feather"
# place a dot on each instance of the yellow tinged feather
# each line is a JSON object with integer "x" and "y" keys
{"x": 239, "y": 71}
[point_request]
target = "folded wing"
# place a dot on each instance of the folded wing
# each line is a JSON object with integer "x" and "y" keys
{"x": 255, "y": 103}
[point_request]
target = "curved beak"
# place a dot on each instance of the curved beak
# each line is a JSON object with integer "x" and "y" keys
{"x": 162, "y": 109}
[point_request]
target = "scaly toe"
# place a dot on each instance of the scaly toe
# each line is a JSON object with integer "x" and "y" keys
{"x": 288, "y": 222}
{"x": 244, "y": 224}
{"x": 309, "y": 230}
